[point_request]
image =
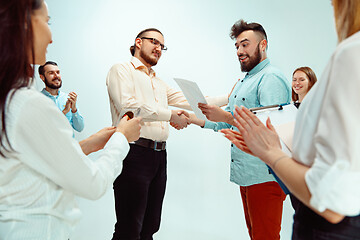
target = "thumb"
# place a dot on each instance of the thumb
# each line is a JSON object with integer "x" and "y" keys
{"x": 269, "y": 125}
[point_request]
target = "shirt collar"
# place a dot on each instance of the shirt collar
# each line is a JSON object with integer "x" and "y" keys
{"x": 46, "y": 93}
{"x": 139, "y": 65}
{"x": 259, "y": 67}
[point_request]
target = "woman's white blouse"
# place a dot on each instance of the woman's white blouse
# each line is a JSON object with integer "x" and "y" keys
{"x": 38, "y": 181}
{"x": 327, "y": 133}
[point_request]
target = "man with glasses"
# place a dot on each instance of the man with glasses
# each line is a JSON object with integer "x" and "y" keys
{"x": 134, "y": 87}
{"x": 263, "y": 85}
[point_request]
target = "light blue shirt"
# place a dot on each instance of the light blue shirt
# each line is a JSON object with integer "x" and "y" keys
{"x": 264, "y": 85}
{"x": 75, "y": 119}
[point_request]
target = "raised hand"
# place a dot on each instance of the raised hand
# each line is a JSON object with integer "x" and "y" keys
{"x": 261, "y": 140}
{"x": 73, "y": 98}
{"x": 236, "y": 138}
{"x": 67, "y": 107}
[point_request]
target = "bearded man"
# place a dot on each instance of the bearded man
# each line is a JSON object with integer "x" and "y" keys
{"x": 263, "y": 85}
{"x": 134, "y": 87}
{"x": 50, "y": 75}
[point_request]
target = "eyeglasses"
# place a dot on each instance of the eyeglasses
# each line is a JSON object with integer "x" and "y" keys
{"x": 156, "y": 43}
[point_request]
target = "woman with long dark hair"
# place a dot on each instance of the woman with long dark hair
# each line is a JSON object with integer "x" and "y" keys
{"x": 42, "y": 167}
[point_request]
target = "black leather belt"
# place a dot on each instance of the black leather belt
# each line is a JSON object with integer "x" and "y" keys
{"x": 157, "y": 146}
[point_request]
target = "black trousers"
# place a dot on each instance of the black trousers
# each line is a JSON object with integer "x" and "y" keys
{"x": 139, "y": 192}
{"x": 310, "y": 226}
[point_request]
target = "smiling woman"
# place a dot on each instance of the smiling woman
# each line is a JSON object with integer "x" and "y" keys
{"x": 303, "y": 80}
{"x": 42, "y": 167}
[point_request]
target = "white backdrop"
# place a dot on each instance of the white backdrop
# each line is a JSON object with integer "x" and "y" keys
{"x": 90, "y": 36}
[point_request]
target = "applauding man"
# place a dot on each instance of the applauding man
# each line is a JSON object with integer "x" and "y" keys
{"x": 50, "y": 74}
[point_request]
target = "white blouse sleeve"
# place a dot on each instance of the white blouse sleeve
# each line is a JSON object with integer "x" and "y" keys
{"x": 44, "y": 142}
{"x": 335, "y": 173}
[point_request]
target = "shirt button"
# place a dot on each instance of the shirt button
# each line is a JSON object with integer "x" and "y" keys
{"x": 235, "y": 96}
{"x": 243, "y": 99}
{"x": 232, "y": 145}
{"x": 232, "y": 160}
{"x": 242, "y": 80}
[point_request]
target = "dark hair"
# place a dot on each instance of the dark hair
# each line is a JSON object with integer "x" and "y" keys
{"x": 42, "y": 67}
{"x": 132, "y": 48}
{"x": 16, "y": 39}
{"x": 310, "y": 75}
{"x": 242, "y": 26}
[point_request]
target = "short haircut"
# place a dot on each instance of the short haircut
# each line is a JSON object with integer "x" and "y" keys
{"x": 42, "y": 67}
{"x": 132, "y": 48}
{"x": 242, "y": 26}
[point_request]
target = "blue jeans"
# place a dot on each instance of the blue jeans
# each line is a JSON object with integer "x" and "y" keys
{"x": 310, "y": 226}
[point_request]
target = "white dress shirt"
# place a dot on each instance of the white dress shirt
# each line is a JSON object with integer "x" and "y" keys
{"x": 132, "y": 87}
{"x": 38, "y": 181}
{"x": 327, "y": 133}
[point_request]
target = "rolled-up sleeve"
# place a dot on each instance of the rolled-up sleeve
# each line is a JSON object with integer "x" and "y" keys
{"x": 333, "y": 177}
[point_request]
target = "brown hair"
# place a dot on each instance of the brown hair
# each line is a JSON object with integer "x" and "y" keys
{"x": 310, "y": 75}
{"x": 42, "y": 67}
{"x": 16, "y": 39}
{"x": 132, "y": 48}
{"x": 347, "y": 17}
{"x": 242, "y": 26}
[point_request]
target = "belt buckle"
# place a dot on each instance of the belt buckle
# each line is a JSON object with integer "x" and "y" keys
{"x": 155, "y": 145}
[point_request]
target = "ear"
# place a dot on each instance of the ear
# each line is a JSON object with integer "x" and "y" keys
{"x": 42, "y": 77}
{"x": 138, "y": 43}
{"x": 263, "y": 45}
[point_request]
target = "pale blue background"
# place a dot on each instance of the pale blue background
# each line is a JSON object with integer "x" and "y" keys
{"x": 89, "y": 36}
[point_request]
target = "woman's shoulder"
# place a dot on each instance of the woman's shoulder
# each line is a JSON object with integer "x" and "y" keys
{"x": 24, "y": 96}
{"x": 349, "y": 48}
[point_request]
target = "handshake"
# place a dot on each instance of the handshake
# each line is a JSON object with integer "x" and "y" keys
{"x": 179, "y": 119}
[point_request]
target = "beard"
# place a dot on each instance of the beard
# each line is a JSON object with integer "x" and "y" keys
{"x": 147, "y": 57}
{"x": 253, "y": 60}
{"x": 51, "y": 85}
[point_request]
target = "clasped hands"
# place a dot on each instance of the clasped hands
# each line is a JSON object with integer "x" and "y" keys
{"x": 179, "y": 119}
{"x": 70, "y": 103}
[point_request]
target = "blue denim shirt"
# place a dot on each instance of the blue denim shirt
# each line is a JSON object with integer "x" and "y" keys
{"x": 75, "y": 119}
{"x": 264, "y": 85}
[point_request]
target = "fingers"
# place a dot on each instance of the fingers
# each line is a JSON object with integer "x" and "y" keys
{"x": 202, "y": 105}
{"x": 246, "y": 119}
{"x": 204, "y": 108}
{"x": 269, "y": 125}
{"x": 73, "y": 95}
{"x": 239, "y": 144}
{"x": 183, "y": 112}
